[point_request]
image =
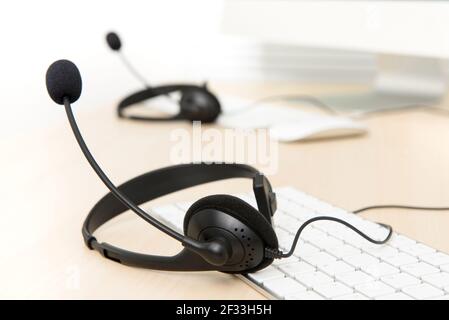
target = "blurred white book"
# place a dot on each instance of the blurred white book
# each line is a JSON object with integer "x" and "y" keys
{"x": 286, "y": 123}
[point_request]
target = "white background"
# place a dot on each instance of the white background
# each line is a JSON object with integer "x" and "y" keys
{"x": 167, "y": 40}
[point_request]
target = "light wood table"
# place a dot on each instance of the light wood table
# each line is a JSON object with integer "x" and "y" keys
{"x": 48, "y": 188}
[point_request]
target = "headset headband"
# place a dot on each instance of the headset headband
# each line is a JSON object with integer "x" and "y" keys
{"x": 149, "y": 93}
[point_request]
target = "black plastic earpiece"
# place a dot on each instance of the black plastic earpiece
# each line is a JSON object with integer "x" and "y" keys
{"x": 238, "y": 224}
{"x": 199, "y": 105}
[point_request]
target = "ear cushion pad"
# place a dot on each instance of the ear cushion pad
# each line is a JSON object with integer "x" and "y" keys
{"x": 242, "y": 211}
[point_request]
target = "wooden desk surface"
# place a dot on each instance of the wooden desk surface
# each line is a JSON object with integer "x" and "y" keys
{"x": 48, "y": 188}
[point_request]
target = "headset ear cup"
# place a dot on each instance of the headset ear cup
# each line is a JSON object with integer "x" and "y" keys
{"x": 199, "y": 105}
{"x": 241, "y": 211}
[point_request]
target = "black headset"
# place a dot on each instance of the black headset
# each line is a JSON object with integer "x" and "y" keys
{"x": 197, "y": 103}
{"x": 221, "y": 232}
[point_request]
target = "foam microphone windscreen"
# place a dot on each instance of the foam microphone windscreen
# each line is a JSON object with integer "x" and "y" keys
{"x": 113, "y": 41}
{"x": 63, "y": 80}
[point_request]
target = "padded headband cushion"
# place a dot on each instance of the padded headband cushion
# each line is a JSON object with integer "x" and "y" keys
{"x": 242, "y": 211}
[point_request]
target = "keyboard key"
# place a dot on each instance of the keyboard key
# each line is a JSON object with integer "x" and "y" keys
{"x": 382, "y": 251}
{"x": 266, "y": 274}
{"x": 282, "y": 200}
{"x": 356, "y": 240}
{"x": 279, "y": 262}
{"x": 297, "y": 211}
{"x": 353, "y": 278}
{"x": 313, "y": 279}
{"x": 401, "y": 259}
{"x": 380, "y": 269}
{"x": 400, "y": 241}
{"x": 419, "y": 269}
{"x": 440, "y": 279}
{"x": 400, "y": 280}
{"x": 320, "y": 259}
{"x": 304, "y": 249}
{"x": 374, "y": 229}
{"x": 337, "y": 267}
{"x": 374, "y": 289}
{"x": 315, "y": 204}
{"x": 293, "y": 269}
{"x": 281, "y": 233}
{"x": 380, "y": 233}
{"x": 423, "y": 291}
{"x": 395, "y": 296}
{"x": 333, "y": 289}
{"x": 355, "y": 220}
{"x": 418, "y": 249}
{"x": 329, "y": 226}
{"x": 287, "y": 223}
{"x": 436, "y": 259}
{"x": 354, "y": 296}
{"x": 285, "y": 239}
{"x": 300, "y": 213}
{"x": 445, "y": 267}
{"x": 361, "y": 260}
{"x": 327, "y": 242}
{"x": 304, "y": 295}
{"x": 310, "y": 234}
{"x": 280, "y": 216}
{"x": 321, "y": 207}
{"x": 283, "y": 287}
{"x": 290, "y": 193}
{"x": 339, "y": 231}
{"x": 345, "y": 250}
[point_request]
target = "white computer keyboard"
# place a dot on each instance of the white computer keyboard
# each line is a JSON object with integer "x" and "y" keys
{"x": 333, "y": 262}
